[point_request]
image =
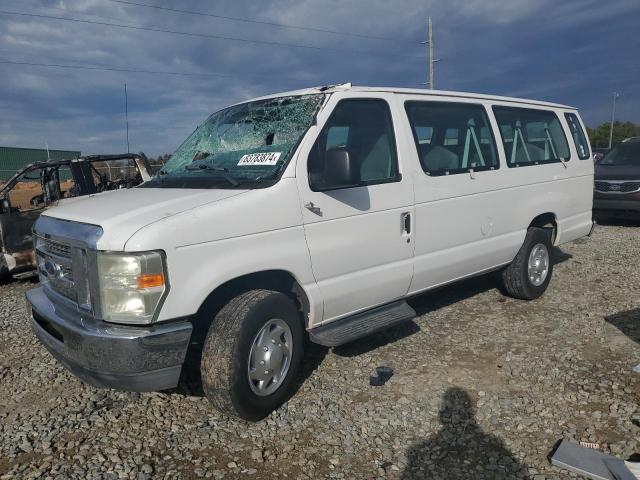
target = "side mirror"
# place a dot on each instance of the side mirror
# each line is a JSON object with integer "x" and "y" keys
{"x": 4, "y": 205}
{"x": 340, "y": 170}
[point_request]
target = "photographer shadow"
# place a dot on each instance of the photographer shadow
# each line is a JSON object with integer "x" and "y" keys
{"x": 627, "y": 322}
{"x": 461, "y": 449}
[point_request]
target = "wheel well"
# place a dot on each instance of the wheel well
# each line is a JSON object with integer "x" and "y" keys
{"x": 278, "y": 280}
{"x": 546, "y": 220}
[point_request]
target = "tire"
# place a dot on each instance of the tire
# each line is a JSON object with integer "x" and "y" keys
{"x": 225, "y": 360}
{"x": 516, "y": 279}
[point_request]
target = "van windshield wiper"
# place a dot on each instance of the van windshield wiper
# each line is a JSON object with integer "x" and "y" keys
{"x": 224, "y": 172}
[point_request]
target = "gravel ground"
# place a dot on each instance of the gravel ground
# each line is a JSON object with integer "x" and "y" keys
{"x": 484, "y": 386}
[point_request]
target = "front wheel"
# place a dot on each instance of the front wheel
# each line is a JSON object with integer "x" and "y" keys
{"x": 529, "y": 274}
{"x": 252, "y": 354}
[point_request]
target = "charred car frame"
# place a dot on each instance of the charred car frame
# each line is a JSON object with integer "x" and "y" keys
{"x": 16, "y": 222}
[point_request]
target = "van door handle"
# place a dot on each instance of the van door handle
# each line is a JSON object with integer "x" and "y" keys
{"x": 405, "y": 219}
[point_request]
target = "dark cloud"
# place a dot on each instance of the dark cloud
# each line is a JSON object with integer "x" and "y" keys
{"x": 574, "y": 52}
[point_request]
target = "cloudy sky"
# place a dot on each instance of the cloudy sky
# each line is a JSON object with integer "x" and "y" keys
{"x": 574, "y": 52}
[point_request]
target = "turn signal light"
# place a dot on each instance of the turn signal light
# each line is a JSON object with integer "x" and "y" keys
{"x": 150, "y": 280}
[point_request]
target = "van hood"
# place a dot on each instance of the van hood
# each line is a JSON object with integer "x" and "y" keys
{"x": 617, "y": 172}
{"x": 121, "y": 213}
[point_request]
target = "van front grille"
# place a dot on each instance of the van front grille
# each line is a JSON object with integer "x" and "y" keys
{"x": 56, "y": 248}
{"x": 55, "y": 267}
{"x": 65, "y": 254}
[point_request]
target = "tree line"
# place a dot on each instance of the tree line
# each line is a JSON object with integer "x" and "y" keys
{"x": 599, "y": 136}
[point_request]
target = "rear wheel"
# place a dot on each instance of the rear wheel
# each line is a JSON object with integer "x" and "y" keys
{"x": 529, "y": 274}
{"x": 252, "y": 354}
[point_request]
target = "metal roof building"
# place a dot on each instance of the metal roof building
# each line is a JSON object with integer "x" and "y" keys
{"x": 13, "y": 159}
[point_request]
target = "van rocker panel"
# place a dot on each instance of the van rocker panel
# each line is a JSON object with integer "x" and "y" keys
{"x": 123, "y": 357}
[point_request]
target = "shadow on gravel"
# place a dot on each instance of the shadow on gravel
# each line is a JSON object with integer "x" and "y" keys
{"x": 377, "y": 340}
{"x": 461, "y": 449}
{"x": 450, "y": 294}
{"x": 445, "y": 296}
{"x": 430, "y": 302}
{"x": 627, "y": 322}
{"x": 28, "y": 279}
{"x": 559, "y": 256}
{"x": 422, "y": 304}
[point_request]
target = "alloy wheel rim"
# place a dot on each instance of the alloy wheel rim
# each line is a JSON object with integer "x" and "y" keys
{"x": 270, "y": 357}
{"x": 538, "y": 265}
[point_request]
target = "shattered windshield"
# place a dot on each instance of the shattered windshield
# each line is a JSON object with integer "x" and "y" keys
{"x": 240, "y": 146}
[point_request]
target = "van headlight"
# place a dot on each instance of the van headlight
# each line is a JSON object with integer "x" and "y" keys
{"x": 131, "y": 286}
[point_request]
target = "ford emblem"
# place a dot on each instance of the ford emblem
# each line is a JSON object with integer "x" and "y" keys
{"x": 52, "y": 269}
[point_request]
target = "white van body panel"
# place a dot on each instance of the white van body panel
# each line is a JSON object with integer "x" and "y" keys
{"x": 208, "y": 246}
{"x": 468, "y": 224}
{"x": 354, "y": 256}
{"x": 121, "y": 213}
{"x": 358, "y": 253}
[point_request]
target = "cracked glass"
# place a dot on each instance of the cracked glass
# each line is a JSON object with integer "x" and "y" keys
{"x": 243, "y": 145}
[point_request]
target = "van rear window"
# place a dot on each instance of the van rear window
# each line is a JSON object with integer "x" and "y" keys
{"x": 452, "y": 137}
{"x": 531, "y": 137}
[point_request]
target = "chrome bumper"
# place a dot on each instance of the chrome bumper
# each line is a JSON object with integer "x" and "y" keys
{"x": 123, "y": 357}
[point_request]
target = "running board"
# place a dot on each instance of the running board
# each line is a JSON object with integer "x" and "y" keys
{"x": 362, "y": 324}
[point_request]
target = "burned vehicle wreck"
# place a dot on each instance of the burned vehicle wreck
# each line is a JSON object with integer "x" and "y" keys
{"x": 41, "y": 185}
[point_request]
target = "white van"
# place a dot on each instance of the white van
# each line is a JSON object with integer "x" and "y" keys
{"x": 309, "y": 214}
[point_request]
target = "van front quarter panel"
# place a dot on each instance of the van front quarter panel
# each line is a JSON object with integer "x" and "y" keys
{"x": 209, "y": 245}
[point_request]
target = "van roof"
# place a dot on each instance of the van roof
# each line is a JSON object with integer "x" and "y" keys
{"x": 412, "y": 91}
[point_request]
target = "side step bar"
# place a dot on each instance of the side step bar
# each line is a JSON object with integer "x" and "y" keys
{"x": 362, "y": 324}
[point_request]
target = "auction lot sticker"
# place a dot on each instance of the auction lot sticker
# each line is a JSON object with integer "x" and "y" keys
{"x": 267, "y": 158}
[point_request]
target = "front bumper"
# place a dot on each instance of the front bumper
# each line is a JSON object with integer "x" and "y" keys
{"x": 123, "y": 357}
{"x": 617, "y": 206}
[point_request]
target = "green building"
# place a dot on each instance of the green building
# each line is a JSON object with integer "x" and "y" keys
{"x": 13, "y": 159}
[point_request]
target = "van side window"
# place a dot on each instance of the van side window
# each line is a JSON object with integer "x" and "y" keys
{"x": 364, "y": 128}
{"x": 531, "y": 137}
{"x": 579, "y": 138}
{"x": 459, "y": 137}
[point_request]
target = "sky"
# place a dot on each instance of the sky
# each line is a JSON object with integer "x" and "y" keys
{"x": 571, "y": 52}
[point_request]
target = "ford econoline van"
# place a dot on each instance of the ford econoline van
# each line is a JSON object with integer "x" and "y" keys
{"x": 308, "y": 215}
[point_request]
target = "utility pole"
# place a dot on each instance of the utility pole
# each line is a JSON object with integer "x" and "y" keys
{"x": 429, "y": 43}
{"x": 126, "y": 113}
{"x": 613, "y": 115}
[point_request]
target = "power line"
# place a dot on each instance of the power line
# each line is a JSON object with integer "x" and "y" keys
{"x": 201, "y": 35}
{"x": 261, "y": 22}
{"x": 118, "y": 69}
{"x": 65, "y": 10}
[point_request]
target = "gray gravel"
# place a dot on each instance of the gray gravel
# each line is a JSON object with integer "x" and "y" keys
{"x": 484, "y": 386}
